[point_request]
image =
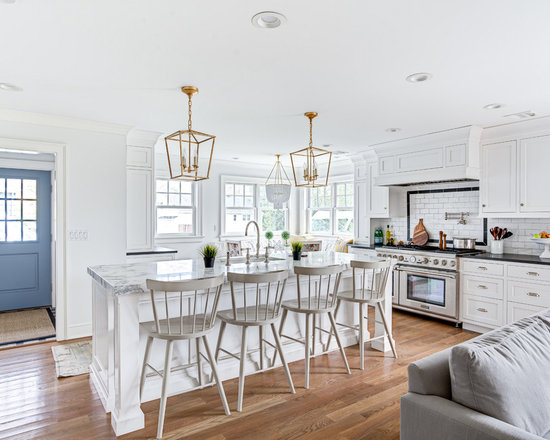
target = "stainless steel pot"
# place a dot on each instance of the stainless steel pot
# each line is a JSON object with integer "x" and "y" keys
{"x": 464, "y": 243}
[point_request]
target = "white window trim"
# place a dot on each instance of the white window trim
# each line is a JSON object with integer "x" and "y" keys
{"x": 347, "y": 178}
{"x": 197, "y": 235}
{"x": 245, "y": 180}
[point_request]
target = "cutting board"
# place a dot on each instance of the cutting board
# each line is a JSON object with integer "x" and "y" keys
{"x": 420, "y": 235}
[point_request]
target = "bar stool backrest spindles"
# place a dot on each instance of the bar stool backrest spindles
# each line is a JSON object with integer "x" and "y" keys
{"x": 196, "y": 300}
{"x": 372, "y": 277}
{"x": 325, "y": 282}
{"x": 259, "y": 296}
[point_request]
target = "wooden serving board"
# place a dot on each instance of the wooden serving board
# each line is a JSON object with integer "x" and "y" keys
{"x": 420, "y": 235}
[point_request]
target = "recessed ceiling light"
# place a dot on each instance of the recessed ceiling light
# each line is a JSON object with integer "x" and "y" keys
{"x": 235, "y": 158}
{"x": 419, "y": 77}
{"x": 7, "y": 1}
{"x": 493, "y": 106}
{"x": 268, "y": 20}
{"x": 521, "y": 115}
{"x": 393, "y": 130}
{"x": 10, "y": 87}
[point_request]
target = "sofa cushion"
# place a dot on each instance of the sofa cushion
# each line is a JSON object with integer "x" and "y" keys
{"x": 506, "y": 374}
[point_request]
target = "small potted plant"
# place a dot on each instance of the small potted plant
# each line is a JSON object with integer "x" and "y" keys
{"x": 297, "y": 250}
{"x": 209, "y": 253}
{"x": 269, "y": 237}
{"x": 285, "y": 235}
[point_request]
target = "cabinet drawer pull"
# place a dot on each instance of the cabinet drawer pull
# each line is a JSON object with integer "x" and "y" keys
{"x": 535, "y": 294}
{"x": 533, "y": 274}
{"x": 481, "y": 309}
{"x": 481, "y": 286}
{"x": 482, "y": 267}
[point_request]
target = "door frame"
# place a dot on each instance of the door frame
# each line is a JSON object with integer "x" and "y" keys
{"x": 58, "y": 212}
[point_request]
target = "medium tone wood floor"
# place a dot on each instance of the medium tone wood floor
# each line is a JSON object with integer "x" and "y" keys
{"x": 34, "y": 404}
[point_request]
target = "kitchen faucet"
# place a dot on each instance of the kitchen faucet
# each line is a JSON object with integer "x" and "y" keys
{"x": 257, "y": 236}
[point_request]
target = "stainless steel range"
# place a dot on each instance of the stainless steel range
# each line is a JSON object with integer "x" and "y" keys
{"x": 425, "y": 279}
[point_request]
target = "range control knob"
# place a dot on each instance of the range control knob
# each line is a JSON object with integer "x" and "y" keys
{"x": 378, "y": 255}
{"x": 425, "y": 261}
{"x": 436, "y": 262}
{"x": 444, "y": 262}
{"x": 395, "y": 256}
{"x": 401, "y": 258}
{"x": 452, "y": 264}
{"x": 412, "y": 259}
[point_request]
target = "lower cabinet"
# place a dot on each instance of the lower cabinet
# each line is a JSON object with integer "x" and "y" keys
{"x": 488, "y": 302}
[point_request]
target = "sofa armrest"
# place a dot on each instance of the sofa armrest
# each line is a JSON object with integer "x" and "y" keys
{"x": 426, "y": 417}
{"x": 431, "y": 375}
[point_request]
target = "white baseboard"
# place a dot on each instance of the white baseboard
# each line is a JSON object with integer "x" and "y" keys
{"x": 79, "y": 331}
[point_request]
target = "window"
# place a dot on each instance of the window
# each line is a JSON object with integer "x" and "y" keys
{"x": 247, "y": 201}
{"x": 18, "y": 209}
{"x": 330, "y": 209}
{"x": 175, "y": 207}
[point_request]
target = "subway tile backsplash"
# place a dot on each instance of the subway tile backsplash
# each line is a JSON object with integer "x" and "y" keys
{"x": 432, "y": 207}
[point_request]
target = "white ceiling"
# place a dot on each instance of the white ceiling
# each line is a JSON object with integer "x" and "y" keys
{"x": 123, "y": 61}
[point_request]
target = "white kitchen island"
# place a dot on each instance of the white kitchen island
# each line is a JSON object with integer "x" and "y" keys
{"x": 121, "y": 302}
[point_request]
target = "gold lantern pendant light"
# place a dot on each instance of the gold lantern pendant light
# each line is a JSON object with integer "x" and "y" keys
{"x": 277, "y": 185}
{"x": 189, "y": 150}
{"x": 314, "y": 172}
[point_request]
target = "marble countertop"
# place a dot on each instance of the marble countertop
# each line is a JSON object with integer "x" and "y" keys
{"x": 130, "y": 278}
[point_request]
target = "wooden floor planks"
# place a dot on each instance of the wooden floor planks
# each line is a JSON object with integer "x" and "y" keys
{"x": 34, "y": 404}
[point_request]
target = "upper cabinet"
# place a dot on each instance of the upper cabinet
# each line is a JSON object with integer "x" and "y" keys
{"x": 514, "y": 178}
{"x": 498, "y": 181}
{"x": 378, "y": 201}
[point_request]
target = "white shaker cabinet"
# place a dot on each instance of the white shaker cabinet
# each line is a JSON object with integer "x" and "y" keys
{"x": 139, "y": 208}
{"x": 498, "y": 183}
{"x": 515, "y": 178}
{"x": 534, "y": 175}
{"x": 379, "y": 196}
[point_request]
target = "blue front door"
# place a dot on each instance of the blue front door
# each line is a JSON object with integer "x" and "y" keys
{"x": 25, "y": 239}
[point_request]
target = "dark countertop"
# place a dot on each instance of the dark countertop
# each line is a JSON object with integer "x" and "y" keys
{"x": 512, "y": 258}
{"x": 155, "y": 251}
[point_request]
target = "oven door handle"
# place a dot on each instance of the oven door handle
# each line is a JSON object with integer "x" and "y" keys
{"x": 433, "y": 272}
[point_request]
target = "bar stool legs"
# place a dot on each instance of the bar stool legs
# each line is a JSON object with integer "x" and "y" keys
{"x": 165, "y": 377}
{"x": 215, "y": 374}
{"x": 241, "y": 370}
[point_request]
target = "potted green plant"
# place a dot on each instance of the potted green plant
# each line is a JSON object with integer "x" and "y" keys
{"x": 209, "y": 253}
{"x": 297, "y": 250}
{"x": 285, "y": 235}
{"x": 269, "y": 236}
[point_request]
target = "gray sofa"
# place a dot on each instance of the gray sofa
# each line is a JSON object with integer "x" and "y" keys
{"x": 501, "y": 384}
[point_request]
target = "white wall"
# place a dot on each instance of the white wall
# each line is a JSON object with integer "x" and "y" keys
{"x": 95, "y": 202}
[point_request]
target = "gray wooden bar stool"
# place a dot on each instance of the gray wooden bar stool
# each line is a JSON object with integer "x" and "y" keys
{"x": 256, "y": 303}
{"x": 368, "y": 288}
{"x": 187, "y": 312}
{"x": 321, "y": 299}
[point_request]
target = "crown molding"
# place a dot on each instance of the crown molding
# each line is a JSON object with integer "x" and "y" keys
{"x": 63, "y": 122}
{"x": 142, "y": 138}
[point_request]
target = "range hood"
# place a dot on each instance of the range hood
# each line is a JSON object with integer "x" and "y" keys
{"x": 450, "y": 155}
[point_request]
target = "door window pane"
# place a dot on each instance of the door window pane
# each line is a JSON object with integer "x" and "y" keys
{"x": 14, "y": 231}
{"x": 2, "y": 231}
{"x": 2, "y": 188}
{"x": 29, "y": 231}
{"x": 29, "y": 210}
{"x": 29, "y": 189}
{"x": 14, "y": 188}
{"x": 2, "y": 209}
{"x": 14, "y": 210}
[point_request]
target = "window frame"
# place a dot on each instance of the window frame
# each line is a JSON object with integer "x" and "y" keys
{"x": 196, "y": 196}
{"x": 256, "y": 209}
{"x": 333, "y": 209}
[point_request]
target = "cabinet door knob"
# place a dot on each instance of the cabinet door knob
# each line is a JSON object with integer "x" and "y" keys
{"x": 521, "y": 204}
{"x": 484, "y": 206}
